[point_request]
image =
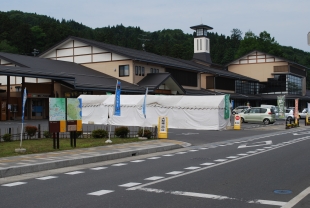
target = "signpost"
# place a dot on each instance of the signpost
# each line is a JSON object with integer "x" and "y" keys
{"x": 162, "y": 127}
{"x": 237, "y": 122}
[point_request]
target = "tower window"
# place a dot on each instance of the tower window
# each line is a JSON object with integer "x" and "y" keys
{"x": 199, "y": 32}
{"x": 200, "y": 44}
{"x": 205, "y": 32}
{"x": 197, "y": 45}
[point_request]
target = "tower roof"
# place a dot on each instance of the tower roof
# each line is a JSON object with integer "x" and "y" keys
{"x": 201, "y": 26}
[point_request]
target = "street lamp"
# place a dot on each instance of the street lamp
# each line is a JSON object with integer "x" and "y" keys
{"x": 35, "y": 52}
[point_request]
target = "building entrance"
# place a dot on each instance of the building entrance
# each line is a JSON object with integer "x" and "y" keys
{"x": 37, "y": 108}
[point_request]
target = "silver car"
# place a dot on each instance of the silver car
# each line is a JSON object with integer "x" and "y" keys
{"x": 239, "y": 109}
{"x": 289, "y": 114}
{"x": 257, "y": 114}
{"x": 303, "y": 113}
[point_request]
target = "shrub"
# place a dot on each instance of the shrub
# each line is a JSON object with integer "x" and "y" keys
{"x": 99, "y": 133}
{"x": 47, "y": 134}
{"x": 147, "y": 133}
{"x": 6, "y": 137}
{"x": 122, "y": 131}
{"x": 31, "y": 130}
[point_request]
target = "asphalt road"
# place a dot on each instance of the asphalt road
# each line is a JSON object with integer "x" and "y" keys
{"x": 243, "y": 169}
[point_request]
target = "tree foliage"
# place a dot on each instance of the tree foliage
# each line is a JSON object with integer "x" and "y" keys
{"x": 23, "y": 32}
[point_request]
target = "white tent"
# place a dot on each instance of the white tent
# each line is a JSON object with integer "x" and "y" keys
{"x": 186, "y": 112}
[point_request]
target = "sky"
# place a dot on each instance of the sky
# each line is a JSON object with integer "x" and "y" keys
{"x": 288, "y": 21}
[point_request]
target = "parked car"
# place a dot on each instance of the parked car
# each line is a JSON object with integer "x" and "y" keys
{"x": 289, "y": 114}
{"x": 258, "y": 114}
{"x": 303, "y": 113}
{"x": 239, "y": 109}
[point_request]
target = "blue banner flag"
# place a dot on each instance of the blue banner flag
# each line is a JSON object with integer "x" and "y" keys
{"x": 24, "y": 102}
{"x": 117, "y": 101}
{"x": 143, "y": 107}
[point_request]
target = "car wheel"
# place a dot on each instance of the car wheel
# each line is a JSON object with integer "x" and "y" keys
{"x": 289, "y": 118}
{"x": 233, "y": 113}
{"x": 242, "y": 120}
{"x": 266, "y": 121}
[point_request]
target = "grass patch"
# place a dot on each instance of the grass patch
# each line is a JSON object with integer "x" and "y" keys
{"x": 46, "y": 145}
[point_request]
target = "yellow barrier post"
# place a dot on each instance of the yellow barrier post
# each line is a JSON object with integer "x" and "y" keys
{"x": 162, "y": 127}
{"x": 237, "y": 122}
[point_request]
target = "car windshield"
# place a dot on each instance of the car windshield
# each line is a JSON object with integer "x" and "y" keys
{"x": 305, "y": 110}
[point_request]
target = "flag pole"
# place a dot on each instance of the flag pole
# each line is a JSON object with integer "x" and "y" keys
{"x": 23, "y": 113}
{"x": 116, "y": 106}
{"x": 144, "y": 111}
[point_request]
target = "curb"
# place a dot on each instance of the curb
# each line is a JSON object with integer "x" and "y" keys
{"x": 13, "y": 171}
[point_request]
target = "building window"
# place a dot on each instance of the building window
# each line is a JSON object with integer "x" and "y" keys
{"x": 199, "y": 32}
{"x": 197, "y": 45}
{"x": 200, "y": 44}
{"x": 136, "y": 70}
{"x": 142, "y": 71}
{"x": 153, "y": 70}
{"x": 124, "y": 70}
{"x": 139, "y": 70}
{"x": 205, "y": 32}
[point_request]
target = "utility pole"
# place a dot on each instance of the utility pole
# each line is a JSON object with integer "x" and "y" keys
{"x": 309, "y": 38}
{"x": 35, "y": 52}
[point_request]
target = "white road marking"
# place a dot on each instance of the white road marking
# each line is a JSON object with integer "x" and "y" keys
{"x": 192, "y": 168}
{"x": 210, "y": 196}
{"x": 267, "y": 202}
{"x": 99, "y": 193}
{"x": 167, "y": 155}
{"x": 256, "y": 144}
{"x": 137, "y": 161}
{"x": 193, "y": 150}
{"x": 175, "y": 172}
{"x": 203, "y": 148}
{"x": 251, "y": 152}
{"x": 153, "y": 158}
{"x": 14, "y": 184}
{"x": 154, "y": 178}
{"x": 74, "y": 172}
{"x": 131, "y": 184}
{"x": 220, "y": 160}
{"x": 47, "y": 177}
{"x": 232, "y": 157}
{"x": 207, "y": 164}
{"x": 180, "y": 153}
{"x": 267, "y": 147}
{"x": 98, "y": 168}
{"x": 260, "y": 150}
{"x": 243, "y": 154}
{"x": 222, "y": 145}
{"x": 218, "y": 164}
{"x": 297, "y": 198}
{"x": 119, "y": 164}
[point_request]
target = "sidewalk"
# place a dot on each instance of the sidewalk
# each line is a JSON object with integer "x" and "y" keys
{"x": 17, "y": 165}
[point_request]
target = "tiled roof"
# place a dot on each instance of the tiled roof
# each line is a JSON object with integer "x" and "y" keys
{"x": 163, "y": 60}
{"x": 154, "y": 80}
{"x": 85, "y": 78}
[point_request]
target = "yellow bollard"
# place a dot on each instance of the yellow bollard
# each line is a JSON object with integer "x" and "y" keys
{"x": 162, "y": 127}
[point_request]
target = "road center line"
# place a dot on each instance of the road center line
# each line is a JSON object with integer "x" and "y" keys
{"x": 215, "y": 165}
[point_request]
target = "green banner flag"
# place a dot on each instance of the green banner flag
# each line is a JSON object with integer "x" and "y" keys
{"x": 281, "y": 105}
{"x": 227, "y": 107}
